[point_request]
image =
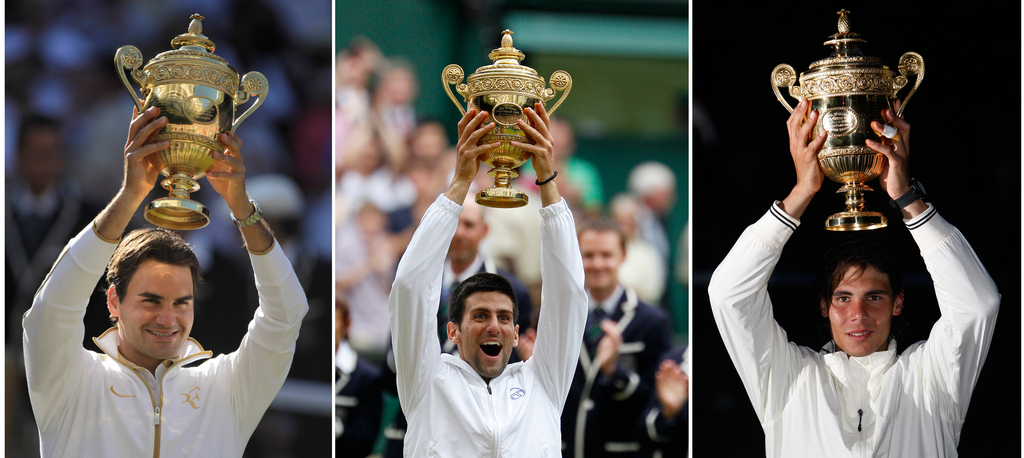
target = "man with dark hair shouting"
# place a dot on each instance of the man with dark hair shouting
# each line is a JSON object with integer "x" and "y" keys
{"x": 477, "y": 404}
{"x": 857, "y": 396}
{"x": 137, "y": 398}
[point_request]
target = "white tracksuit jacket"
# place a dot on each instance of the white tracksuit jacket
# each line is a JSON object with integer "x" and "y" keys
{"x": 101, "y": 405}
{"x": 913, "y": 404}
{"x": 452, "y": 412}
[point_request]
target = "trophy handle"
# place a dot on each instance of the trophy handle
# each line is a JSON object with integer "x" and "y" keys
{"x": 911, "y": 63}
{"x": 560, "y": 81}
{"x": 129, "y": 57}
{"x": 253, "y": 84}
{"x": 453, "y": 74}
{"x": 783, "y": 76}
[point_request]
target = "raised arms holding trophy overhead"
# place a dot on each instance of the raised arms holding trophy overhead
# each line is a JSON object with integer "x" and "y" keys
{"x": 137, "y": 398}
{"x": 857, "y": 396}
{"x": 476, "y": 402}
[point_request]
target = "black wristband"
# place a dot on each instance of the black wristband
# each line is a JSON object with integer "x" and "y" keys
{"x": 915, "y": 192}
{"x": 552, "y": 177}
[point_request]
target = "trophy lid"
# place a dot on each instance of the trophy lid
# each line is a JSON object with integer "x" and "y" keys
{"x": 845, "y": 52}
{"x": 192, "y": 62}
{"x": 506, "y": 73}
{"x": 194, "y": 40}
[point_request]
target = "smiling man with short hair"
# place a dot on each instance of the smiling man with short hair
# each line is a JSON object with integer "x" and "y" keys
{"x": 138, "y": 398}
{"x": 857, "y": 396}
{"x": 477, "y": 404}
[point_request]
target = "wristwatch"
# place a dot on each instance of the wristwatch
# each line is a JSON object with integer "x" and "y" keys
{"x": 915, "y": 192}
{"x": 252, "y": 219}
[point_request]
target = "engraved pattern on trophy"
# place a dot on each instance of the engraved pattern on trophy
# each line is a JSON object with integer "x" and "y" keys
{"x": 504, "y": 89}
{"x": 197, "y": 91}
{"x": 849, "y": 90}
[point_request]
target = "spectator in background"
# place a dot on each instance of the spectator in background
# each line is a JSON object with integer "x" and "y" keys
{"x": 622, "y": 343}
{"x": 365, "y": 265}
{"x": 357, "y": 393}
{"x": 654, "y": 184}
{"x": 643, "y": 269}
{"x": 353, "y": 69}
{"x": 664, "y": 428}
{"x": 391, "y": 109}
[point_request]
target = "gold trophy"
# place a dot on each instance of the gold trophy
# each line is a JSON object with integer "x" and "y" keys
{"x": 849, "y": 90}
{"x": 197, "y": 91}
{"x": 504, "y": 89}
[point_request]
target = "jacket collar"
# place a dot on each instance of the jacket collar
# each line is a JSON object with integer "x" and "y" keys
{"x": 472, "y": 374}
{"x": 874, "y": 364}
{"x": 109, "y": 340}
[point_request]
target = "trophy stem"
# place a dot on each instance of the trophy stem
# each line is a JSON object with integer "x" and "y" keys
{"x": 177, "y": 211}
{"x": 855, "y": 218}
{"x": 502, "y": 195}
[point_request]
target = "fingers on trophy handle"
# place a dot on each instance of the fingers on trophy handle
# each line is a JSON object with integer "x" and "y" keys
{"x": 911, "y": 63}
{"x": 129, "y": 57}
{"x": 253, "y": 84}
{"x": 453, "y": 74}
{"x": 560, "y": 81}
{"x": 784, "y": 76}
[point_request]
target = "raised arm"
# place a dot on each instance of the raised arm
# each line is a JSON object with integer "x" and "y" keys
{"x": 416, "y": 292}
{"x": 959, "y": 341}
{"x": 757, "y": 345}
{"x": 53, "y": 327}
{"x": 563, "y": 303}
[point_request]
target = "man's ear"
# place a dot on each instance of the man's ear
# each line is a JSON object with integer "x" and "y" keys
{"x": 897, "y": 304}
{"x": 824, "y": 309}
{"x": 454, "y": 334}
{"x": 113, "y": 302}
{"x": 515, "y": 337}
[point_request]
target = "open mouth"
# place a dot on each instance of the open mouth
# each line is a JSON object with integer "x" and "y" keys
{"x": 491, "y": 349}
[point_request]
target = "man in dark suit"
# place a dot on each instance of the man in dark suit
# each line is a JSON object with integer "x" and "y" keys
{"x": 464, "y": 260}
{"x": 622, "y": 346}
{"x": 357, "y": 396}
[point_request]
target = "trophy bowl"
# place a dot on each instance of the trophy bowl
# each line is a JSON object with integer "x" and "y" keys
{"x": 197, "y": 91}
{"x": 850, "y": 90}
{"x": 504, "y": 89}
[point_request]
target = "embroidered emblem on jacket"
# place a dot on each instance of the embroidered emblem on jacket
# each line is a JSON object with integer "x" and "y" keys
{"x": 190, "y": 399}
{"x": 517, "y": 393}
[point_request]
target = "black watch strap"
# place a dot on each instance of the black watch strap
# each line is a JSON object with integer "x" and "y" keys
{"x": 915, "y": 192}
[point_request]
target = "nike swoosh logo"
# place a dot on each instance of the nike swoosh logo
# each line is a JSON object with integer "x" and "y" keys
{"x": 119, "y": 395}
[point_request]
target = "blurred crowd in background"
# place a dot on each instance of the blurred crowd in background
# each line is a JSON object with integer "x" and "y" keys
{"x": 391, "y": 163}
{"x": 66, "y": 120}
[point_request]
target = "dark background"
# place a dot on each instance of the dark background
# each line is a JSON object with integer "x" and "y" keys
{"x": 964, "y": 147}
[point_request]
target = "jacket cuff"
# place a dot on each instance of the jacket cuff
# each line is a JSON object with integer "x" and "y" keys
{"x": 775, "y": 227}
{"x": 448, "y": 206}
{"x": 929, "y": 227}
{"x": 554, "y": 210}
{"x": 271, "y": 266}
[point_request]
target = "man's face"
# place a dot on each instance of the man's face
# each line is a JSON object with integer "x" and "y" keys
{"x": 602, "y": 255}
{"x": 472, "y": 229}
{"x": 487, "y": 334}
{"x": 155, "y": 316}
{"x": 861, "y": 311}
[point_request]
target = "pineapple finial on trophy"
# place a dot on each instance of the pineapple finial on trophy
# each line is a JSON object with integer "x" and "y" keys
{"x": 196, "y": 26}
{"x": 844, "y": 21}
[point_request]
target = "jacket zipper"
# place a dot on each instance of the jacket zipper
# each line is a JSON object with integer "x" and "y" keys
{"x": 494, "y": 422}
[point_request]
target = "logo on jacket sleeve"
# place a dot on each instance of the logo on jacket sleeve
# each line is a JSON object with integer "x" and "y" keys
{"x": 516, "y": 393}
{"x": 192, "y": 397}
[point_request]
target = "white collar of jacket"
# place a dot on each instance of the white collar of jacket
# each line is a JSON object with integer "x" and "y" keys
{"x": 109, "y": 340}
{"x": 874, "y": 364}
{"x": 472, "y": 374}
